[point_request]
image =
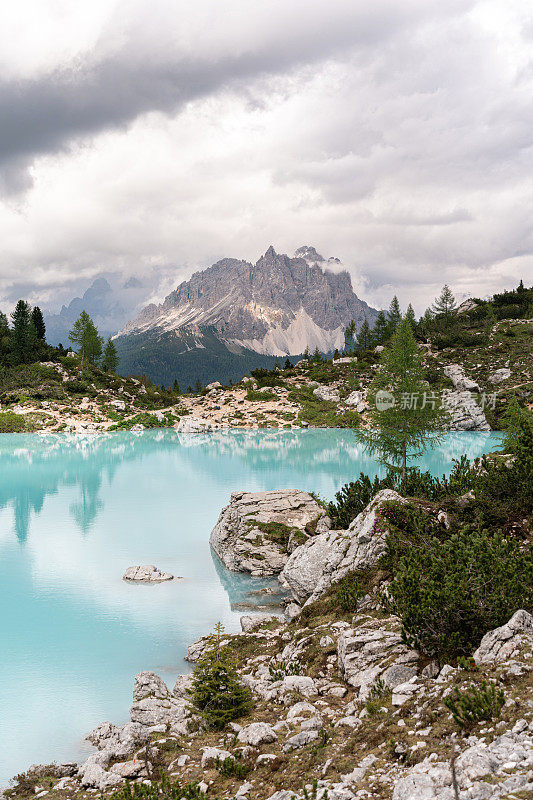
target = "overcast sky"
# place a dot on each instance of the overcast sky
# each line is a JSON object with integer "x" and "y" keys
{"x": 153, "y": 138}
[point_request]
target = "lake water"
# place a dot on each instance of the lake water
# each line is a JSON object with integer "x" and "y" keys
{"x": 76, "y": 511}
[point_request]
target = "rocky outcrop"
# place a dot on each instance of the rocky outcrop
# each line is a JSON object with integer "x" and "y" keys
{"x": 500, "y": 375}
{"x": 508, "y": 641}
{"x": 465, "y": 413}
{"x": 327, "y": 394}
{"x": 154, "y": 705}
{"x": 487, "y": 772}
{"x": 194, "y": 425}
{"x": 325, "y": 559}
{"x": 252, "y": 533}
{"x": 146, "y": 574}
{"x": 460, "y": 381}
{"x": 371, "y": 651}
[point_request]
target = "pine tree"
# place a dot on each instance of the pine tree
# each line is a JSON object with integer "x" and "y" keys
{"x": 288, "y": 364}
{"x": 38, "y": 322}
{"x": 395, "y": 314}
{"x": 349, "y": 335}
{"x": 380, "y": 331}
{"x": 364, "y": 340}
{"x": 317, "y": 356}
{"x": 444, "y": 304}
{"x": 410, "y": 315}
{"x": 217, "y": 690}
{"x": 176, "y": 386}
{"x": 110, "y": 359}
{"x": 20, "y": 339}
{"x": 306, "y": 353}
{"x": 85, "y": 335}
{"x": 405, "y": 419}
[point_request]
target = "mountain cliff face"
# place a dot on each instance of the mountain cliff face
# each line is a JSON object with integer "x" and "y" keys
{"x": 236, "y": 315}
{"x": 277, "y": 306}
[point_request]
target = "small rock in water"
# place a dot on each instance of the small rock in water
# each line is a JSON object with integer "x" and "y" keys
{"x": 146, "y": 573}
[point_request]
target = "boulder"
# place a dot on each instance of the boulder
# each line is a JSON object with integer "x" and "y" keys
{"x": 153, "y": 704}
{"x": 210, "y": 756}
{"x": 194, "y": 425}
{"x": 500, "y": 375}
{"x": 182, "y": 686}
{"x": 252, "y": 532}
{"x": 146, "y": 573}
{"x": 326, "y": 558}
{"x": 457, "y": 376}
{"x": 327, "y": 394}
{"x": 345, "y": 360}
{"x": 257, "y": 733}
{"x": 465, "y": 414}
{"x": 354, "y": 399}
{"x": 300, "y": 740}
{"x": 252, "y": 621}
{"x": 369, "y": 651}
{"x": 504, "y": 643}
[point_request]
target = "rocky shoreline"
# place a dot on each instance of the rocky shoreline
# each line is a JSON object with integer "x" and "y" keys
{"x": 341, "y": 702}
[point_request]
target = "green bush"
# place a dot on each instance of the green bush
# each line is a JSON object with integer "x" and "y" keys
{"x": 217, "y": 690}
{"x": 475, "y": 704}
{"x": 346, "y": 593}
{"x": 257, "y": 397}
{"x": 162, "y": 789}
{"x": 11, "y": 422}
{"x": 449, "y": 593}
{"x": 232, "y": 768}
{"x": 377, "y": 694}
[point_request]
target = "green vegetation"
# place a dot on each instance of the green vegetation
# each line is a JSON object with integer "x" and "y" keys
{"x": 402, "y": 425}
{"x": 11, "y": 422}
{"x": 110, "y": 358}
{"x": 217, "y": 691}
{"x": 347, "y": 593}
{"x": 85, "y": 335}
{"x": 475, "y": 704}
{"x": 258, "y": 397}
{"x": 161, "y": 789}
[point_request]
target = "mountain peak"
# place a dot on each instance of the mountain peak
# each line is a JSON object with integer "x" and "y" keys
{"x": 309, "y": 253}
{"x": 270, "y": 253}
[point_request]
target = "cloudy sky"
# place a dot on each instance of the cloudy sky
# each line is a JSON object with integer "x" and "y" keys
{"x": 153, "y": 138}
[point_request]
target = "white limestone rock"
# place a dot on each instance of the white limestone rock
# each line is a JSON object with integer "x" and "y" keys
{"x": 502, "y": 644}
{"x": 153, "y": 704}
{"x": 465, "y": 413}
{"x": 244, "y": 545}
{"x": 327, "y": 558}
{"x": 370, "y": 651}
{"x": 194, "y": 425}
{"x": 500, "y": 375}
{"x": 325, "y": 393}
{"x": 146, "y": 573}
{"x": 257, "y": 733}
{"x": 354, "y": 398}
{"x": 250, "y": 622}
{"x": 210, "y": 755}
{"x": 460, "y": 381}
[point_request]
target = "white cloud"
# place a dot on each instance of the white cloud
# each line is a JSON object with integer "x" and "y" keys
{"x": 396, "y": 137}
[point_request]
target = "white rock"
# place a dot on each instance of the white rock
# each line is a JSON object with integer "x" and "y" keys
{"x": 153, "y": 705}
{"x": 465, "y": 413}
{"x": 146, "y": 573}
{"x": 500, "y": 644}
{"x": 500, "y": 375}
{"x": 354, "y": 398}
{"x": 326, "y": 394}
{"x": 250, "y": 622}
{"x": 189, "y": 424}
{"x": 300, "y": 740}
{"x": 257, "y": 733}
{"x": 457, "y": 376}
{"x": 210, "y": 755}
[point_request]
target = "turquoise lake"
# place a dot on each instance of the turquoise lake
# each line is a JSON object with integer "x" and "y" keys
{"x": 76, "y": 511}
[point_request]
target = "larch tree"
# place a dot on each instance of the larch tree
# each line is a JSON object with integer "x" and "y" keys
{"x": 445, "y": 305}
{"x": 85, "y": 335}
{"x": 405, "y": 418}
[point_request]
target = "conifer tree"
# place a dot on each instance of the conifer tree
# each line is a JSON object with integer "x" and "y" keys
{"x": 349, "y": 335}
{"x": 38, "y": 323}
{"x": 364, "y": 339}
{"x": 217, "y": 690}
{"x": 20, "y": 340}
{"x": 410, "y": 315}
{"x": 110, "y": 358}
{"x": 380, "y": 331}
{"x": 405, "y": 419}
{"x": 395, "y": 314}
{"x": 176, "y": 386}
{"x": 445, "y": 304}
{"x": 85, "y": 335}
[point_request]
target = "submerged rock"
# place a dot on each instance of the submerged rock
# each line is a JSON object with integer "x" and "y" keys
{"x": 253, "y": 532}
{"x": 146, "y": 573}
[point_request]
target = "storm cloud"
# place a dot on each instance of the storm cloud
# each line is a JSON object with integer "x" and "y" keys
{"x": 160, "y": 137}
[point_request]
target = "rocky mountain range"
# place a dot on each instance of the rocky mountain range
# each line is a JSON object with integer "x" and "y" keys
{"x": 236, "y": 315}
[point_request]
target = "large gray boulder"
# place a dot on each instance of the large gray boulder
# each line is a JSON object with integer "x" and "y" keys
{"x": 373, "y": 651}
{"x": 500, "y": 375}
{"x": 465, "y": 413}
{"x": 194, "y": 425}
{"x": 146, "y": 573}
{"x": 154, "y": 705}
{"x": 252, "y": 532}
{"x": 325, "y": 393}
{"x": 325, "y": 559}
{"x": 460, "y": 381}
{"x": 506, "y": 642}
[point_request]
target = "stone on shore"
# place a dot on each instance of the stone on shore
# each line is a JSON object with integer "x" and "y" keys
{"x": 194, "y": 425}
{"x": 327, "y": 394}
{"x": 460, "y": 381}
{"x": 252, "y": 533}
{"x": 327, "y": 558}
{"x": 146, "y": 573}
{"x": 154, "y": 705}
{"x": 465, "y": 413}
